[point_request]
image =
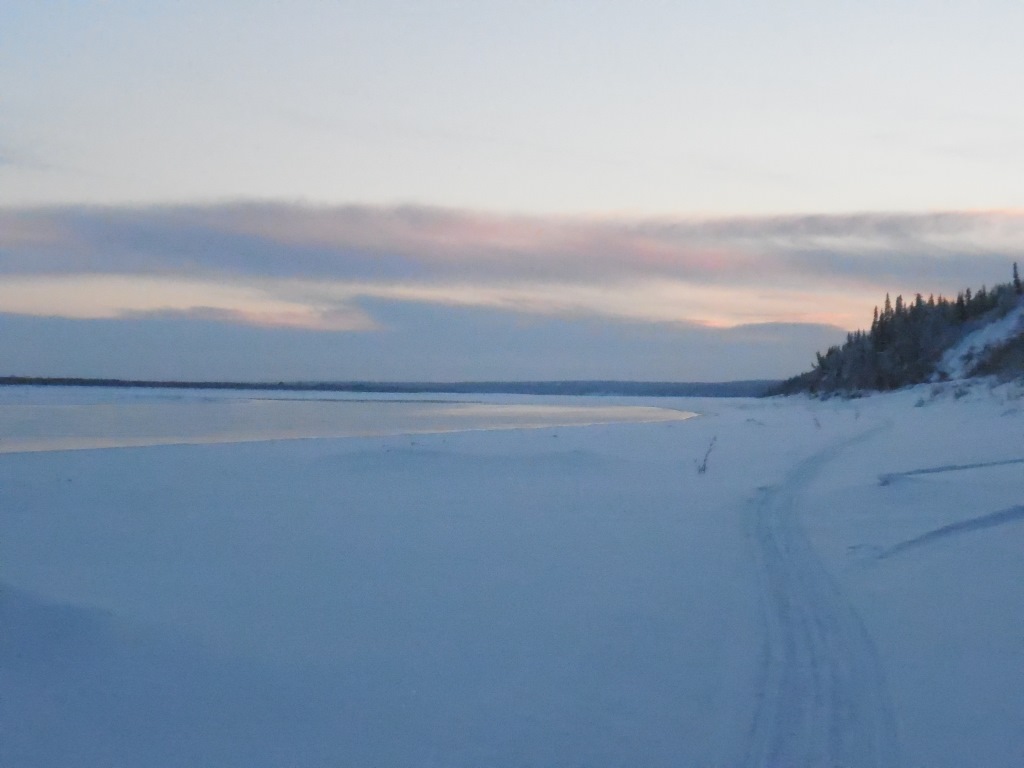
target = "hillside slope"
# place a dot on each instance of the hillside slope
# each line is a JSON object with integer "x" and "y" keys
{"x": 922, "y": 340}
{"x": 985, "y": 350}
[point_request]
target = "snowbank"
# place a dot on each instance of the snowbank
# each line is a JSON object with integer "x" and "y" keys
{"x": 560, "y": 596}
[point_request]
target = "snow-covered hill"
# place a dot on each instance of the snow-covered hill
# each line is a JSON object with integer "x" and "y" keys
{"x": 964, "y": 358}
{"x": 918, "y": 341}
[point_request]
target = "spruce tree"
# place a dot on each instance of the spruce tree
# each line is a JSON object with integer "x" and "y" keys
{"x": 906, "y": 340}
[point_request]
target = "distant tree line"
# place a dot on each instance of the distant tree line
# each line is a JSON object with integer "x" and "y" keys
{"x": 906, "y": 341}
{"x": 751, "y": 388}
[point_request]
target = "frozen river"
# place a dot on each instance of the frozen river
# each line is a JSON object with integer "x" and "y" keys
{"x": 47, "y": 419}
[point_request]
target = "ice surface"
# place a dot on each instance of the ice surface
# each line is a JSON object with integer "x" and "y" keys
{"x": 553, "y": 596}
{"x": 55, "y": 418}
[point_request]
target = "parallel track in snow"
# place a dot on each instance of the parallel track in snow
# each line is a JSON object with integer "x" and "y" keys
{"x": 823, "y": 700}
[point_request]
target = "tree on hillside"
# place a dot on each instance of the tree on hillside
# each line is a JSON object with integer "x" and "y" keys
{"x": 906, "y": 341}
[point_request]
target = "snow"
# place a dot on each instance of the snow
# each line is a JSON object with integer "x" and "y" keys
{"x": 842, "y": 586}
{"x": 960, "y": 360}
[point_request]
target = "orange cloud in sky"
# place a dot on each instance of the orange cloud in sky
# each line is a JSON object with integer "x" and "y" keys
{"x": 640, "y": 301}
{"x": 111, "y": 296}
{"x": 334, "y": 305}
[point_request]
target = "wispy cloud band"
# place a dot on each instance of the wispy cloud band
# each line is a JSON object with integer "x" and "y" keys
{"x": 309, "y": 266}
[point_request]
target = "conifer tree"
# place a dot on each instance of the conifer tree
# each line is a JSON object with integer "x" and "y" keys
{"x": 906, "y": 340}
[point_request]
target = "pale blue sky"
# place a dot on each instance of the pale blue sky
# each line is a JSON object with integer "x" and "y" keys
{"x": 599, "y": 139}
{"x": 554, "y": 107}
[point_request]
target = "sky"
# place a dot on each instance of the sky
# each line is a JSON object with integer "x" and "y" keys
{"x": 483, "y": 190}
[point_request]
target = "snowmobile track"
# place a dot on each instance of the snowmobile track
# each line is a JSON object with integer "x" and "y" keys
{"x": 823, "y": 700}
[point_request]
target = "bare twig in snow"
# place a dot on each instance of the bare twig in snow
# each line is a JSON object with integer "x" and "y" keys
{"x": 702, "y": 466}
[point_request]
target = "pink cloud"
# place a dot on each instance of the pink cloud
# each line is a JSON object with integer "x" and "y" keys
{"x": 308, "y": 266}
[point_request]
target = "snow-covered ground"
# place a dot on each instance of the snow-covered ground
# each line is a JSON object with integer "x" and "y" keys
{"x": 964, "y": 357}
{"x": 842, "y": 586}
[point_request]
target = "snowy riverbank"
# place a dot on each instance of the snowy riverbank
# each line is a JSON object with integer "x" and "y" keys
{"x": 558, "y": 596}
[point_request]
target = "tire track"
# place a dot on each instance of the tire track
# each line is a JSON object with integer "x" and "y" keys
{"x": 823, "y": 700}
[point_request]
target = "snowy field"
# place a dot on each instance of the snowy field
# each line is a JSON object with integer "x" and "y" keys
{"x": 842, "y": 586}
